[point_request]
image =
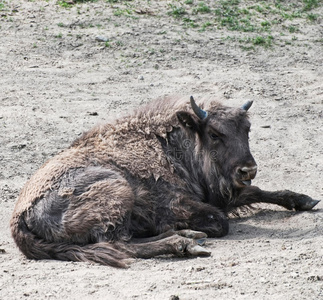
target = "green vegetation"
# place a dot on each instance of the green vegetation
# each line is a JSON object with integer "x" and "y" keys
{"x": 122, "y": 12}
{"x": 254, "y": 20}
{"x": 263, "y": 41}
{"x": 312, "y": 17}
{"x": 310, "y": 4}
{"x": 64, "y": 4}
{"x": 202, "y": 8}
{"x": 190, "y": 23}
{"x": 68, "y": 3}
{"x": 292, "y": 29}
{"x": 176, "y": 11}
{"x": 254, "y": 17}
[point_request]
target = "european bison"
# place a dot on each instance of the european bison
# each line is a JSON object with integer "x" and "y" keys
{"x": 155, "y": 182}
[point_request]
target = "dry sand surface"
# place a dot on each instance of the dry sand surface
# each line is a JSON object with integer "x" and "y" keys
{"x": 58, "y": 79}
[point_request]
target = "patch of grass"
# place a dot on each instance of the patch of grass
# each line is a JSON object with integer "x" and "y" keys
{"x": 190, "y": 23}
{"x": 64, "y": 4}
{"x": 259, "y": 9}
{"x": 202, "y": 8}
{"x": 247, "y": 26}
{"x": 249, "y": 43}
{"x": 312, "y": 17}
{"x": 310, "y": 4}
{"x": 230, "y": 15}
{"x": 122, "y": 12}
{"x": 68, "y": 3}
{"x": 176, "y": 11}
{"x": 119, "y": 43}
{"x": 262, "y": 41}
{"x": 205, "y": 25}
{"x": 247, "y": 48}
{"x": 291, "y": 16}
{"x": 265, "y": 24}
{"x": 292, "y": 29}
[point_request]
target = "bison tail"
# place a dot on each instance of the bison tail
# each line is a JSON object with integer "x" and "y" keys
{"x": 32, "y": 247}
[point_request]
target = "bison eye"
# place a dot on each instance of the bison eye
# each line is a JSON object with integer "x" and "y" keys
{"x": 213, "y": 136}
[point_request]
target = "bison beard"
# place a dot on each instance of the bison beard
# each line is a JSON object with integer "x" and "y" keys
{"x": 156, "y": 182}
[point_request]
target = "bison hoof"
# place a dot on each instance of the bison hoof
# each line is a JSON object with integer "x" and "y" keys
{"x": 305, "y": 203}
{"x": 201, "y": 242}
{"x": 189, "y": 247}
{"x": 197, "y": 250}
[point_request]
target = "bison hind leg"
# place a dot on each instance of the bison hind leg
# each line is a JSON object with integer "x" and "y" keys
{"x": 179, "y": 243}
{"x": 88, "y": 205}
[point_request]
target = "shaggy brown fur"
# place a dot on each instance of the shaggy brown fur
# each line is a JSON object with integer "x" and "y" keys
{"x": 134, "y": 187}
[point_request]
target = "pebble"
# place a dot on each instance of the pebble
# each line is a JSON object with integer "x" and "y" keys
{"x": 101, "y": 39}
{"x": 294, "y": 274}
{"x": 262, "y": 280}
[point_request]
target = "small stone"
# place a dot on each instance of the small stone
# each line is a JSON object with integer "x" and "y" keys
{"x": 262, "y": 280}
{"x": 314, "y": 278}
{"x": 102, "y": 39}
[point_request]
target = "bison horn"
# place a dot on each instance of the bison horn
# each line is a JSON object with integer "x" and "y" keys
{"x": 247, "y": 105}
{"x": 202, "y": 114}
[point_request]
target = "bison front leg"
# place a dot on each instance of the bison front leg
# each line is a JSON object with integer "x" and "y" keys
{"x": 288, "y": 199}
{"x": 201, "y": 217}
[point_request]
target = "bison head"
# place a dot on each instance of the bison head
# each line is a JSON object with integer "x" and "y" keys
{"x": 221, "y": 143}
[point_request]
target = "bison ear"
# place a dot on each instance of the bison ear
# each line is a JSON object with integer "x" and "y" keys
{"x": 186, "y": 120}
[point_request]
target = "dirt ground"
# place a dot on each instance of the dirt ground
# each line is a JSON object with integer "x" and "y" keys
{"x": 63, "y": 70}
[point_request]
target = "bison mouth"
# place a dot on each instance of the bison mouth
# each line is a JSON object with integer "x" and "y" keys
{"x": 246, "y": 182}
{"x": 242, "y": 183}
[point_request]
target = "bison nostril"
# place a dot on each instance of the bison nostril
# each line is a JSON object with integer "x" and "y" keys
{"x": 248, "y": 172}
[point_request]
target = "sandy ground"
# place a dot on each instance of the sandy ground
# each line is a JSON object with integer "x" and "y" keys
{"x": 57, "y": 80}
